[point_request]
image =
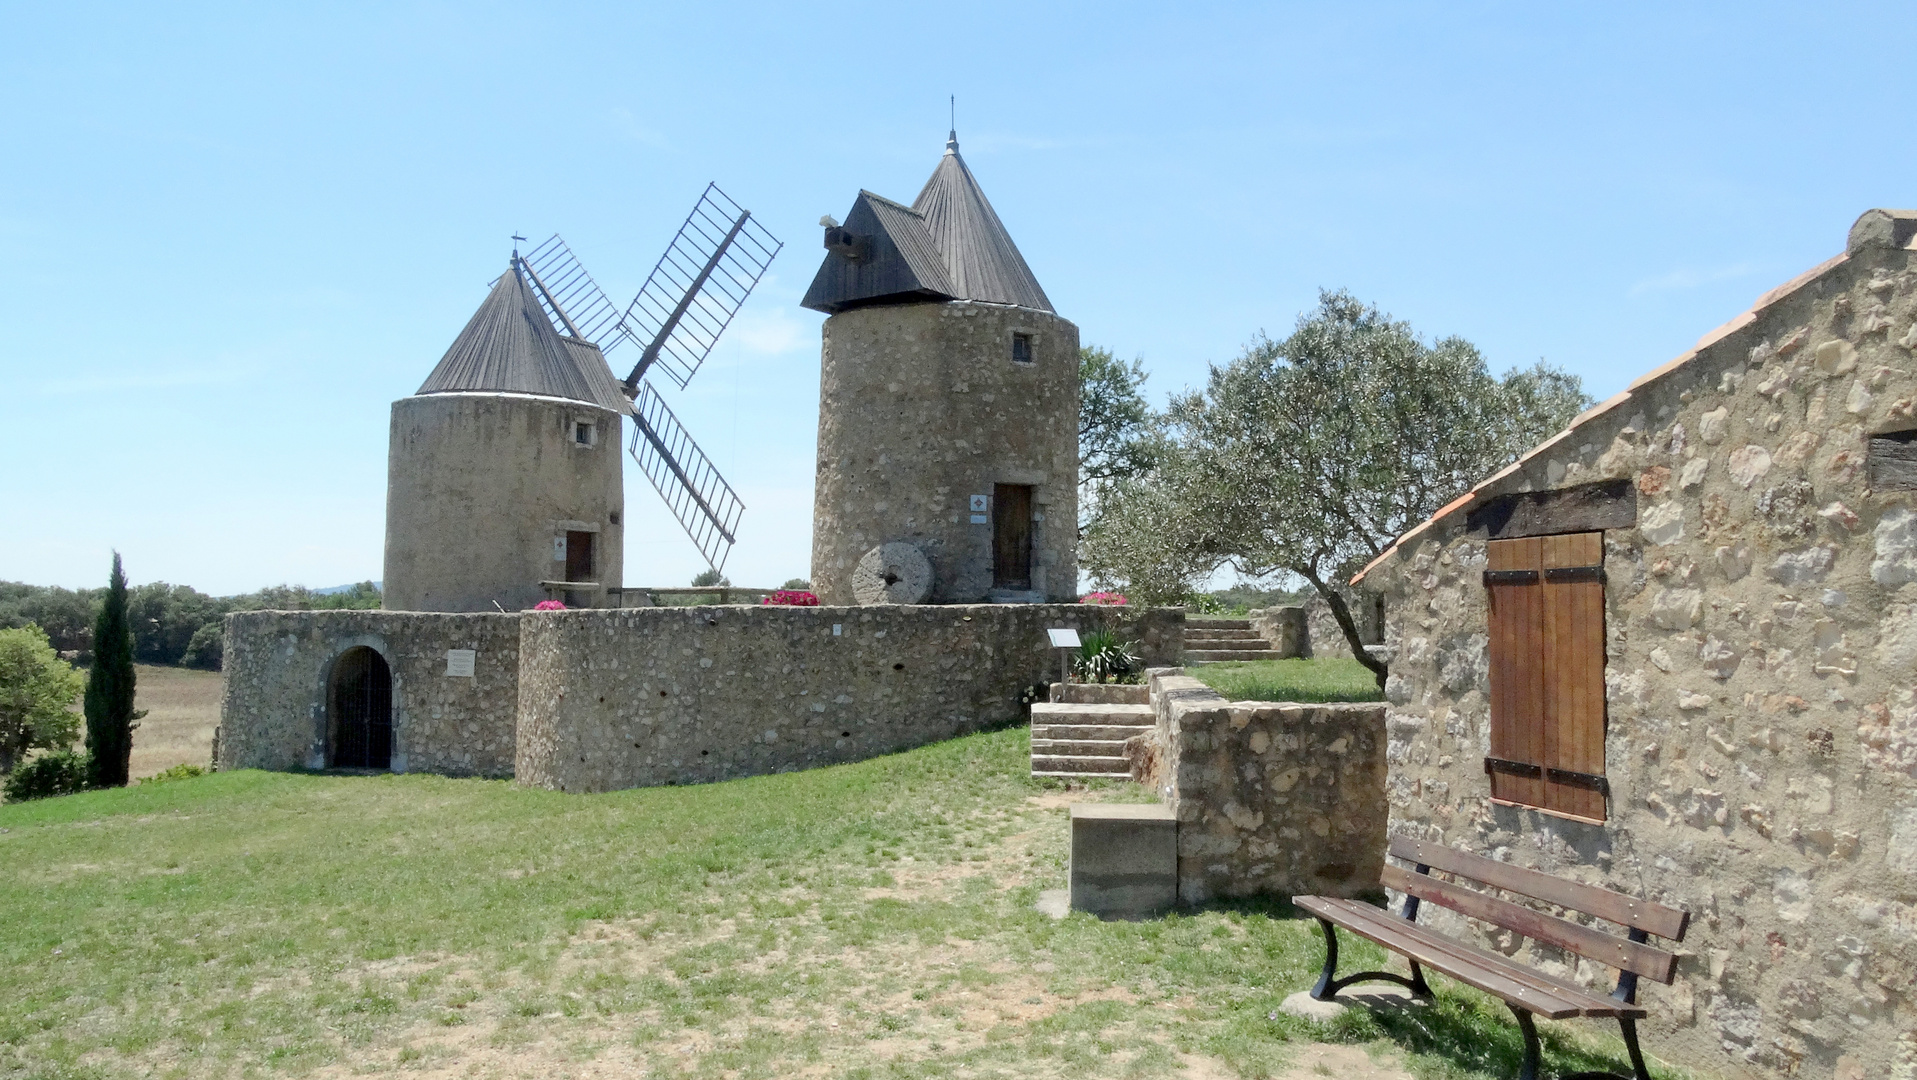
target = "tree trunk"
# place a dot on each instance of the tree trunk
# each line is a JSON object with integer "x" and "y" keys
{"x": 1342, "y": 612}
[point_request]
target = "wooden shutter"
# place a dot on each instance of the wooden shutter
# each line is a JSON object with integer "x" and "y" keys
{"x": 1547, "y": 672}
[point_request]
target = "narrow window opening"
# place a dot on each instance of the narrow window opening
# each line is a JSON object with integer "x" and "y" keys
{"x": 1021, "y": 348}
{"x": 582, "y": 433}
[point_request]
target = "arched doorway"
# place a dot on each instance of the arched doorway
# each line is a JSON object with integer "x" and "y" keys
{"x": 360, "y": 711}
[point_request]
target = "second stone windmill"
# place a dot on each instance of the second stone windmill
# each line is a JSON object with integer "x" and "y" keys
{"x": 504, "y": 484}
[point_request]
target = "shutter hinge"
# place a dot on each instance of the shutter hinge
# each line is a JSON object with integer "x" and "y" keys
{"x": 1574, "y": 573}
{"x": 1510, "y": 577}
{"x": 1514, "y": 768}
{"x": 1571, "y": 778}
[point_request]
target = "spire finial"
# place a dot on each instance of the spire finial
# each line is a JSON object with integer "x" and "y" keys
{"x": 951, "y": 140}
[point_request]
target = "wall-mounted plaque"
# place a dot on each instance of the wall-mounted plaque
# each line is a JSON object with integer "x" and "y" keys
{"x": 459, "y": 662}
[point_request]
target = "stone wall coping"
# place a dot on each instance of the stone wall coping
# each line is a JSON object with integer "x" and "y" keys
{"x": 1123, "y": 812}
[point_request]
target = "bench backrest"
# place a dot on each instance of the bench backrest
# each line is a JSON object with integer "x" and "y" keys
{"x": 1632, "y": 954}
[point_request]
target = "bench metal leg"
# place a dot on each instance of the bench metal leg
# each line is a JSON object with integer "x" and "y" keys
{"x": 1329, "y": 984}
{"x": 1533, "y": 1056}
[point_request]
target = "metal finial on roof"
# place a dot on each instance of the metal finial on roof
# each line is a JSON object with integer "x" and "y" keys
{"x": 951, "y": 139}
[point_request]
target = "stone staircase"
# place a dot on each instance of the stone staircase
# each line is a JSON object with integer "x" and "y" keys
{"x": 1083, "y": 734}
{"x": 1209, "y": 637}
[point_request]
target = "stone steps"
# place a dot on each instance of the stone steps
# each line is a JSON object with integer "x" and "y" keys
{"x": 1087, "y": 739}
{"x": 1101, "y": 694}
{"x": 1112, "y": 768}
{"x": 1107, "y": 732}
{"x": 1211, "y": 638}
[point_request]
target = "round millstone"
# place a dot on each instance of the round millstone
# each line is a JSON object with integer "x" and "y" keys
{"x": 894, "y": 573}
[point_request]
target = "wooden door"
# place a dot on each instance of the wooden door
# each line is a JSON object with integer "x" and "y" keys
{"x": 1012, "y": 536}
{"x": 579, "y": 556}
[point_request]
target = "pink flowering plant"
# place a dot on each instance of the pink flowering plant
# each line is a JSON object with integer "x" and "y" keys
{"x": 1109, "y": 599}
{"x": 549, "y": 605}
{"x": 791, "y": 598}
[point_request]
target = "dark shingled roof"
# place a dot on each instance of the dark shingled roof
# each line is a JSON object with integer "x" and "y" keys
{"x": 949, "y": 245}
{"x": 509, "y": 346}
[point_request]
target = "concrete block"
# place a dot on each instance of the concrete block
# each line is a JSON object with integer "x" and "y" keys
{"x": 1124, "y": 860}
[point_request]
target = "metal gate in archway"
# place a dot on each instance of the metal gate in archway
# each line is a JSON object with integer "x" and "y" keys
{"x": 360, "y": 711}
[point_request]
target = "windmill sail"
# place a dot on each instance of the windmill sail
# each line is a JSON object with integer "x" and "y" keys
{"x": 686, "y": 479}
{"x": 571, "y": 298}
{"x": 707, "y": 272}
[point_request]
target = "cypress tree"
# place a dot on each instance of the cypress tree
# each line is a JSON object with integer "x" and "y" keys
{"x": 109, "y": 699}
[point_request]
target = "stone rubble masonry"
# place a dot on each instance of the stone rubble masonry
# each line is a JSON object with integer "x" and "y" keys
{"x": 1310, "y": 630}
{"x": 635, "y": 698}
{"x": 705, "y": 693}
{"x": 1761, "y": 674}
{"x": 1272, "y": 799}
{"x": 273, "y": 708}
{"x": 921, "y": 407}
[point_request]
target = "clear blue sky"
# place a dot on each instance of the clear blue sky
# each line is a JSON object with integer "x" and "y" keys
{"x": 233, "y": 236}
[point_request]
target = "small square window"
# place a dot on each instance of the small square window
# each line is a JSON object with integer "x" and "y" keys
{"x": 582, "y": 433}
{"x": 1021, "y": 348}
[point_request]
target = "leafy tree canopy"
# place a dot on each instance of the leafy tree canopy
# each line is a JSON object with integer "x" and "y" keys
{"x": 1309, "y": 455}
{"x": 37, "y": 689}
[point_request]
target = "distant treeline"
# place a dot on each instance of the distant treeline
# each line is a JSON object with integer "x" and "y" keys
{"x": 172, "y": 624}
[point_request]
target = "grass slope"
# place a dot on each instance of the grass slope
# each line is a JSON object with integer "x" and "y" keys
{"x": 1329, "y": 679}
{"x": 868, "y": 920}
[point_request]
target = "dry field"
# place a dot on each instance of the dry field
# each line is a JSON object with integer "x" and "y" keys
{"x": 182, "y": 709}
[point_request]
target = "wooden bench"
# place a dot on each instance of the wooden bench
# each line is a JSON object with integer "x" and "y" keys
{"x": 1528, "y": 991}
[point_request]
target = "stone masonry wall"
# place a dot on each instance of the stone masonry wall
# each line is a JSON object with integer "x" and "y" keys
{"x": 1761, "y": 675}
{"x": 273, "y": 711}
{"x": 648, "y": 696}
{"x": 1277, "y": 800}
{"x": 921, "y": 407}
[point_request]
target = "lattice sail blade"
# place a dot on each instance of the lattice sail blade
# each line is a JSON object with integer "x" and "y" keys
{"x": 707, "y": 272}
{"x": 582, "y": 309}
{"x": 685, "y": 478}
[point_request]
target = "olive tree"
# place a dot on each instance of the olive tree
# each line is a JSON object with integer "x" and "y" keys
{"x": 1118, "y": 435}
{"x": 37, "y": 690}
{"x": 1309, "y": 455}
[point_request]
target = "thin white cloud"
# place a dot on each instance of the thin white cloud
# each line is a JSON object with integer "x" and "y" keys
{"x": 1691, "y": 278}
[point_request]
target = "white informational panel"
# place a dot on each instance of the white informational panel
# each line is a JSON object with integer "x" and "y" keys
{"x": 1063, "y": 639}
{"x": 978, "y": 519}
{"x": 980, "y": 503}
{"x": 459, "y": 663}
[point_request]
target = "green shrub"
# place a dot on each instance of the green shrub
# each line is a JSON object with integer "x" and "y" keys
{"x": 797, "y": 584}
{"x": 182, "y": 771}
{"x": 208, "y": 647}
{"x": 36, "y": 688}
{"x": 1104, "y": 657}
{"x": 62, "y": 772}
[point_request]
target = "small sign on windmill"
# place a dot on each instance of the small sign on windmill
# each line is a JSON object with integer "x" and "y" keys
{"x": 697, "y": 286}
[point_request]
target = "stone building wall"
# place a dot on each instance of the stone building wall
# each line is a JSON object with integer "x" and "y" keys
{"x": 1273, "y": 800}
{"x": 640, "y": 697}
{"x": 481, "y": 489}
{"x": 273, "y": 711}
{"x": 1760, "y": 671}
{"x": 921, "y": 407}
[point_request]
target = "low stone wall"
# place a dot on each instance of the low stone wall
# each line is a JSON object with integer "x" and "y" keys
{"x": 273, "y": 713}
{"x": 1272, "y": 799}
{"x": 1284, "y": 628}
{"x": 632, "y": 698}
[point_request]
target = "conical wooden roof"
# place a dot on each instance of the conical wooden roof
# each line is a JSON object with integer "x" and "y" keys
{"x": 509, "y": 346}
{"x": 948, "y": 245}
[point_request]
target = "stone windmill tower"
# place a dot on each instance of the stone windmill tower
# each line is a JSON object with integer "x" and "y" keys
{"x": 948, "y": 408}
{"x": 503, "y": 470}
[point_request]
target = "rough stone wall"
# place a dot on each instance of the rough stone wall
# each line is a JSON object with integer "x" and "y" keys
{"x": 921, "y": 407}
{"x": 1278, "y": 800}
{"x": 1285, "y": 628}
{"x": 479, "y": 486}
{"x": 651, "y": 696}
{"x": 273, "y": 709}
{"x": 1324, "y": 638}
{"x": 1762, "y": 630}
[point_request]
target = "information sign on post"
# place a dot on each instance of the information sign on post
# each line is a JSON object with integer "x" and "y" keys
{"x": 1064, "y": 639}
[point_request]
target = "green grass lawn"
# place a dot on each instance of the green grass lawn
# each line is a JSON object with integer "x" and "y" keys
{"x": 868, "y": 920}
{"x": 1331, "y": 679}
